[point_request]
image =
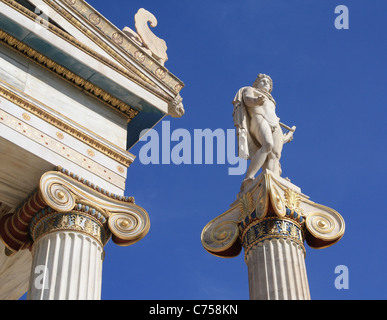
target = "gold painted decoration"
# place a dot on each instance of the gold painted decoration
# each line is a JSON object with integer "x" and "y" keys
{"x": 67, "y": 202}
{"x": 271, "y": 228}
{"x": 94, "y": 18}
{"x": 222, "y": 240}
{"x": 289, "y": 215}
{"x": 127, "y": 222}
{"x": 61, "y": 149}
{"x": 128, "y": 227}
{"x": 90, "y": 152}
{"x": 277, "y": 201}
{"x": 69, "y": 76}
{"x": 140, "y": 56}
{"x": 324, "y": 228}
{"x": 36, "y": 110}
{"x": 73, "y": 221}
{"x": 246, "y": 205}
{"x": 56, "y": 195}
{"x": 292, "y": 200}
{"x": 117, "y": 38}
{"x": 262, "y": 201}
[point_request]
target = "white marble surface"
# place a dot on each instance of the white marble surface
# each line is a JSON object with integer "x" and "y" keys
{"x": 69, "y": 267}
{"x": 277, "y": 271}
{"x": 62, "y": 98}
{"x": 14, "y": 274}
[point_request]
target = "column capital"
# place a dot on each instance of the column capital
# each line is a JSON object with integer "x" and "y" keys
{"x": 271, "y": 207}
{"x": 65, "y": 201}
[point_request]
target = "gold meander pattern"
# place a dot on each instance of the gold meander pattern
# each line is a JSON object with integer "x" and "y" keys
{"x": 68, "y": 76}
{"x": 72, "y": 131}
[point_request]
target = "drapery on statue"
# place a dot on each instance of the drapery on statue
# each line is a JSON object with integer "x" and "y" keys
{"x": 260, "y": 137}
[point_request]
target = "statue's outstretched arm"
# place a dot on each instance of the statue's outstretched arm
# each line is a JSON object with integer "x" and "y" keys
{"x": 251, "y": 99}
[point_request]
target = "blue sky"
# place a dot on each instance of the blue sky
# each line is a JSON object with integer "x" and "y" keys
{"x": 329, "y": 83}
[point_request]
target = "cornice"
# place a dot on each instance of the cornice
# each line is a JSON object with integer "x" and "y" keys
{"x": 68, "y": 76}
{"x": 129, "y": 71}
{"x": 119, "y": 40}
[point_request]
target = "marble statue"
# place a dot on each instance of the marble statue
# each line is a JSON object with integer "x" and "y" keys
{"x": 260, "y": 137}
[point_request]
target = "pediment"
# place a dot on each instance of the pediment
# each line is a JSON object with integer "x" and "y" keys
{"x": 109, "y": 63}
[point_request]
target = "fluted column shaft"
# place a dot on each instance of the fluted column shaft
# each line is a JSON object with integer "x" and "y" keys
{"x": 276, "y": 270}
{"x": 67, "y": 256}
{"x": 275, "y": 258}
{"x": 66, "y": 266}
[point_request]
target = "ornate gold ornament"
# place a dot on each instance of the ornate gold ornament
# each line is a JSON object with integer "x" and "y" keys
{"x": 127, "y": 222}
{"x": 277, "y": 202}
{"x": 69, "y": 76}
{"x": 90, "y": 153}
{"x": 262, "y": 201}
{"x": 246, "y": 205}
{"x": 128, "y": 227}
{"x": 140, "y": 56}
{"x": 324, "y": 228}
{"x": 292, "y": 200}
{"x": 94, "y": 18}
{"x": 222, "y": 240}
{"x": 160, "y": 73}
{"x": 117, "y": 38}
{"x": 50, "y": 222}
{"x": 272, "y": 228}
{"x": 292, "y": 217}
{"x": 120, "y": 169}
{"x": 56, "y": 195}
{"x": 64, "y": 202}
{"x": 61, "y": 149}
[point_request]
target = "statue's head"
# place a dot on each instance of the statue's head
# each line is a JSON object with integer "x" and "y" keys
{"x": 263, "y": 82}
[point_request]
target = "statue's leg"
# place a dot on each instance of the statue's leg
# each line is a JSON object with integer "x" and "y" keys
{"x": 262, "y": 132}
{"x": 274, "y": 156}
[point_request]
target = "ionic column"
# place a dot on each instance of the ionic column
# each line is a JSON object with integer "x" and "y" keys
{"x": 65, "y": 224}
{"x": 67, "y": 255}
{"x": 275, "y": 258}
